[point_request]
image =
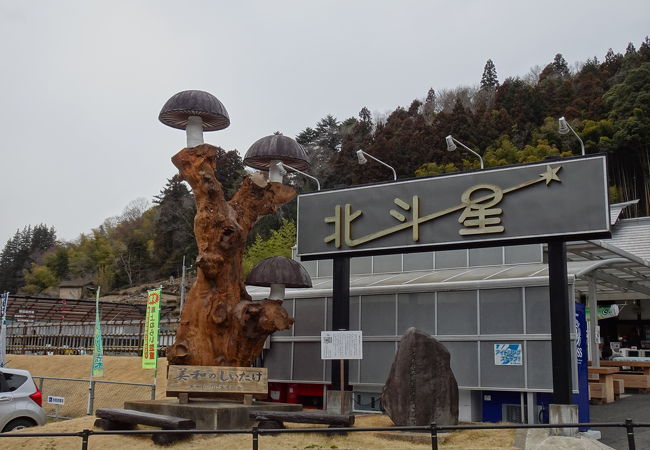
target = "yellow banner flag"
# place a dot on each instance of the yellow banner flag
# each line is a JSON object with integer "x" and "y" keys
{"x": 150, "y": 347}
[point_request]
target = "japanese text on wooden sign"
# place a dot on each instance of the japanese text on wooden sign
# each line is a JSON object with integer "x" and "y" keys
{"x": 217, "y": 379}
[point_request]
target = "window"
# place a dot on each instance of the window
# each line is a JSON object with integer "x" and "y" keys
{"x": 13, "y": 381}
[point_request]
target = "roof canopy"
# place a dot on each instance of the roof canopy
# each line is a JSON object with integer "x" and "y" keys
{"x": 27, "y": 309}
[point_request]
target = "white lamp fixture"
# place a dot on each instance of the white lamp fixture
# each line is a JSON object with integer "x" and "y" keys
{"x": 362, "y": 160}
{"x": 282, "y": 169}
{"x": 564, "y": 128}
{"x": 451, "y": 146}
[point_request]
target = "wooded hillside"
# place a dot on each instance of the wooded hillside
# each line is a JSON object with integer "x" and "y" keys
{"x": 508, "y": 121}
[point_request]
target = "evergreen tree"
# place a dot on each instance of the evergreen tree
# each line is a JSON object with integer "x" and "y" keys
{"x": 431, "y": 96}
{"x": 307, "y": 137}
{"x": 230, "y": 171}
{"x": 489, "y": 79}
{"x": 329, "y": 133}
{"x": 21, "y": 251}
{"x": 365, "y": 116}
{"x": 322, "y": 143}
{"x": 174, "y": 227}
{"x": 560, "y": 66}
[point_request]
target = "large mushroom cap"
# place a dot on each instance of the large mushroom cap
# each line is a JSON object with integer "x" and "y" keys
{"x": 279, "y": 270}
{"x": 276, "y": 148}
{"x": 194, "y": 103}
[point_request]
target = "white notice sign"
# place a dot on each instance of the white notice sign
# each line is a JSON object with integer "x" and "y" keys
{"x": 341, "y": 345}
{"x": 55, "y": 400}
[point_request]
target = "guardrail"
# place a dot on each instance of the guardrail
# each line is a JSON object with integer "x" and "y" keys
{"x": 256, "y": 433}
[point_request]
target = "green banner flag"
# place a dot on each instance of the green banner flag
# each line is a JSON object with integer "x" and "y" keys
{"x": 150, "y": 347}
{"x": 605, "y": 312}
{"x": 98, "y": 348}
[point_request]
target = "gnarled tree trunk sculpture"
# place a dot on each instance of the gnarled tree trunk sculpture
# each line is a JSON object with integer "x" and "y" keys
{"x": 220, "y": 325}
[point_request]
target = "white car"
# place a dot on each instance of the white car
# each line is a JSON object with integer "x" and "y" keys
{"x": 20, "y": 401}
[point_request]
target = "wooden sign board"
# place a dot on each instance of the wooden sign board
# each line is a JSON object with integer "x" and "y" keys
{"x": 217, "y": 380}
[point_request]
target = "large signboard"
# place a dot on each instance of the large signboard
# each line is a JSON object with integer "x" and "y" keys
{"x": 563, "y": 198}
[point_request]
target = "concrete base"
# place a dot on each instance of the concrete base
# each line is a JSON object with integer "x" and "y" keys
{"x": 334, "y": 402}
{"x": 210, "y": 415}
{"x": 563, "y": 414}
{"x": 591, "y": 434}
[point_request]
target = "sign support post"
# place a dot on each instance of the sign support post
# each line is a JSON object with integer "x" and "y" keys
{"x": 560, "y": 322}
{"x": 340, "y": 312}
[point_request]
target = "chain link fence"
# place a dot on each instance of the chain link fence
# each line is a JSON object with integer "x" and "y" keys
{"x": 81, "y": 397}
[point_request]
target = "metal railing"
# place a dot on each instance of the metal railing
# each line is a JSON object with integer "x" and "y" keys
{"x": 256, "y": 432}
{"x": 82, "y": 396}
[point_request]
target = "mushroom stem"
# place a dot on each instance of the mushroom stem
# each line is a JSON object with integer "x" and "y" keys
{"x": 275, "y": 171}
{"x": 277, "y": 291}
{"x": 194, "y": 131}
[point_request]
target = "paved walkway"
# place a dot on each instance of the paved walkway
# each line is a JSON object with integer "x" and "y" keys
{"x": 635, "y": 407}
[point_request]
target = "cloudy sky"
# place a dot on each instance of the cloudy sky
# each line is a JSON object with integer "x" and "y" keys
{"x": 82, "y": 82}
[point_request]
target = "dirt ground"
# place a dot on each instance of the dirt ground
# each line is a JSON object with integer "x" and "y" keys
{"x": 120, "y": 368}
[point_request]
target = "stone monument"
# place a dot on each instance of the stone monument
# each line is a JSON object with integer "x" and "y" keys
{"x": 421, "y": 388}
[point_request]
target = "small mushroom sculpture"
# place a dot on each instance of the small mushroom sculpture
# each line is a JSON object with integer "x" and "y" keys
{"x": 269, "y": 152}
{"x": 279, "y": 273}
{"x": 194, "y": 112}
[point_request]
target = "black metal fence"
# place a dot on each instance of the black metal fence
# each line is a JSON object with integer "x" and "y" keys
{"x": 257, "y": 433}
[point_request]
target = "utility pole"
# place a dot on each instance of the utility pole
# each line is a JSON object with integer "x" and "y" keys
{"x": 183, "y": 285}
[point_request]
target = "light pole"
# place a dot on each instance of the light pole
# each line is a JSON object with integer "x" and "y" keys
{"x": 451, "y": 146}
{"x": 564, "y": 128}
{"x": 281, "y": 166}
{"x": 362, "y": 160}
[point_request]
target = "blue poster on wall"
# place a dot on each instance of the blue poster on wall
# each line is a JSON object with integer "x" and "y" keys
{"x": 508, "y": 355}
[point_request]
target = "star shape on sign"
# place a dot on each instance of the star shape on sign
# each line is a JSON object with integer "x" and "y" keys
{"x": 550, "y": 174}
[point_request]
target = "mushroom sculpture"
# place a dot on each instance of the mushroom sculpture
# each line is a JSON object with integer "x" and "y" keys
{"x": 194, "y": 112}
{"x": 220, "y": 324}
{"x": 279, "y": 273}
{"x": 270, "y": 152}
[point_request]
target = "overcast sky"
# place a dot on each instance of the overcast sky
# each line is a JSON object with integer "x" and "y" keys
{"x": 82, "y": 82}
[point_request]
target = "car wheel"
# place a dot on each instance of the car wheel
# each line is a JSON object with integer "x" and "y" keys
{"x": 18, "y": 424}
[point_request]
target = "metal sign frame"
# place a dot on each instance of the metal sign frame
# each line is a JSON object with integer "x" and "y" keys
{"x": 334, "y": 211}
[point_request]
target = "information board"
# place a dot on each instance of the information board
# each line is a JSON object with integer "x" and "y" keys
{"x": 341, "y": 345}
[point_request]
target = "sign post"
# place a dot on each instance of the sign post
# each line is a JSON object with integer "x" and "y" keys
{"x": 340, "y": 312}
{"x": 341, "y": 345}
{"x": 57, "y": 402}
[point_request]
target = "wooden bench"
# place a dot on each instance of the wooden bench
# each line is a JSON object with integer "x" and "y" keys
{"x": 638, "y": 378}
{"x": 275, "y": 419}
{"x": 127, "y": 419}
{"x": 637, "y": 381}
{"x": 597, "y": 392}
{"x": 619, "y": 388}
{"x": 606, "y": 378}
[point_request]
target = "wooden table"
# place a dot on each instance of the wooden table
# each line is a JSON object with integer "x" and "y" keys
{"x": 643, "y": 365}
{"x": 605, "y": 376}
{"x": 632, "y": 380}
